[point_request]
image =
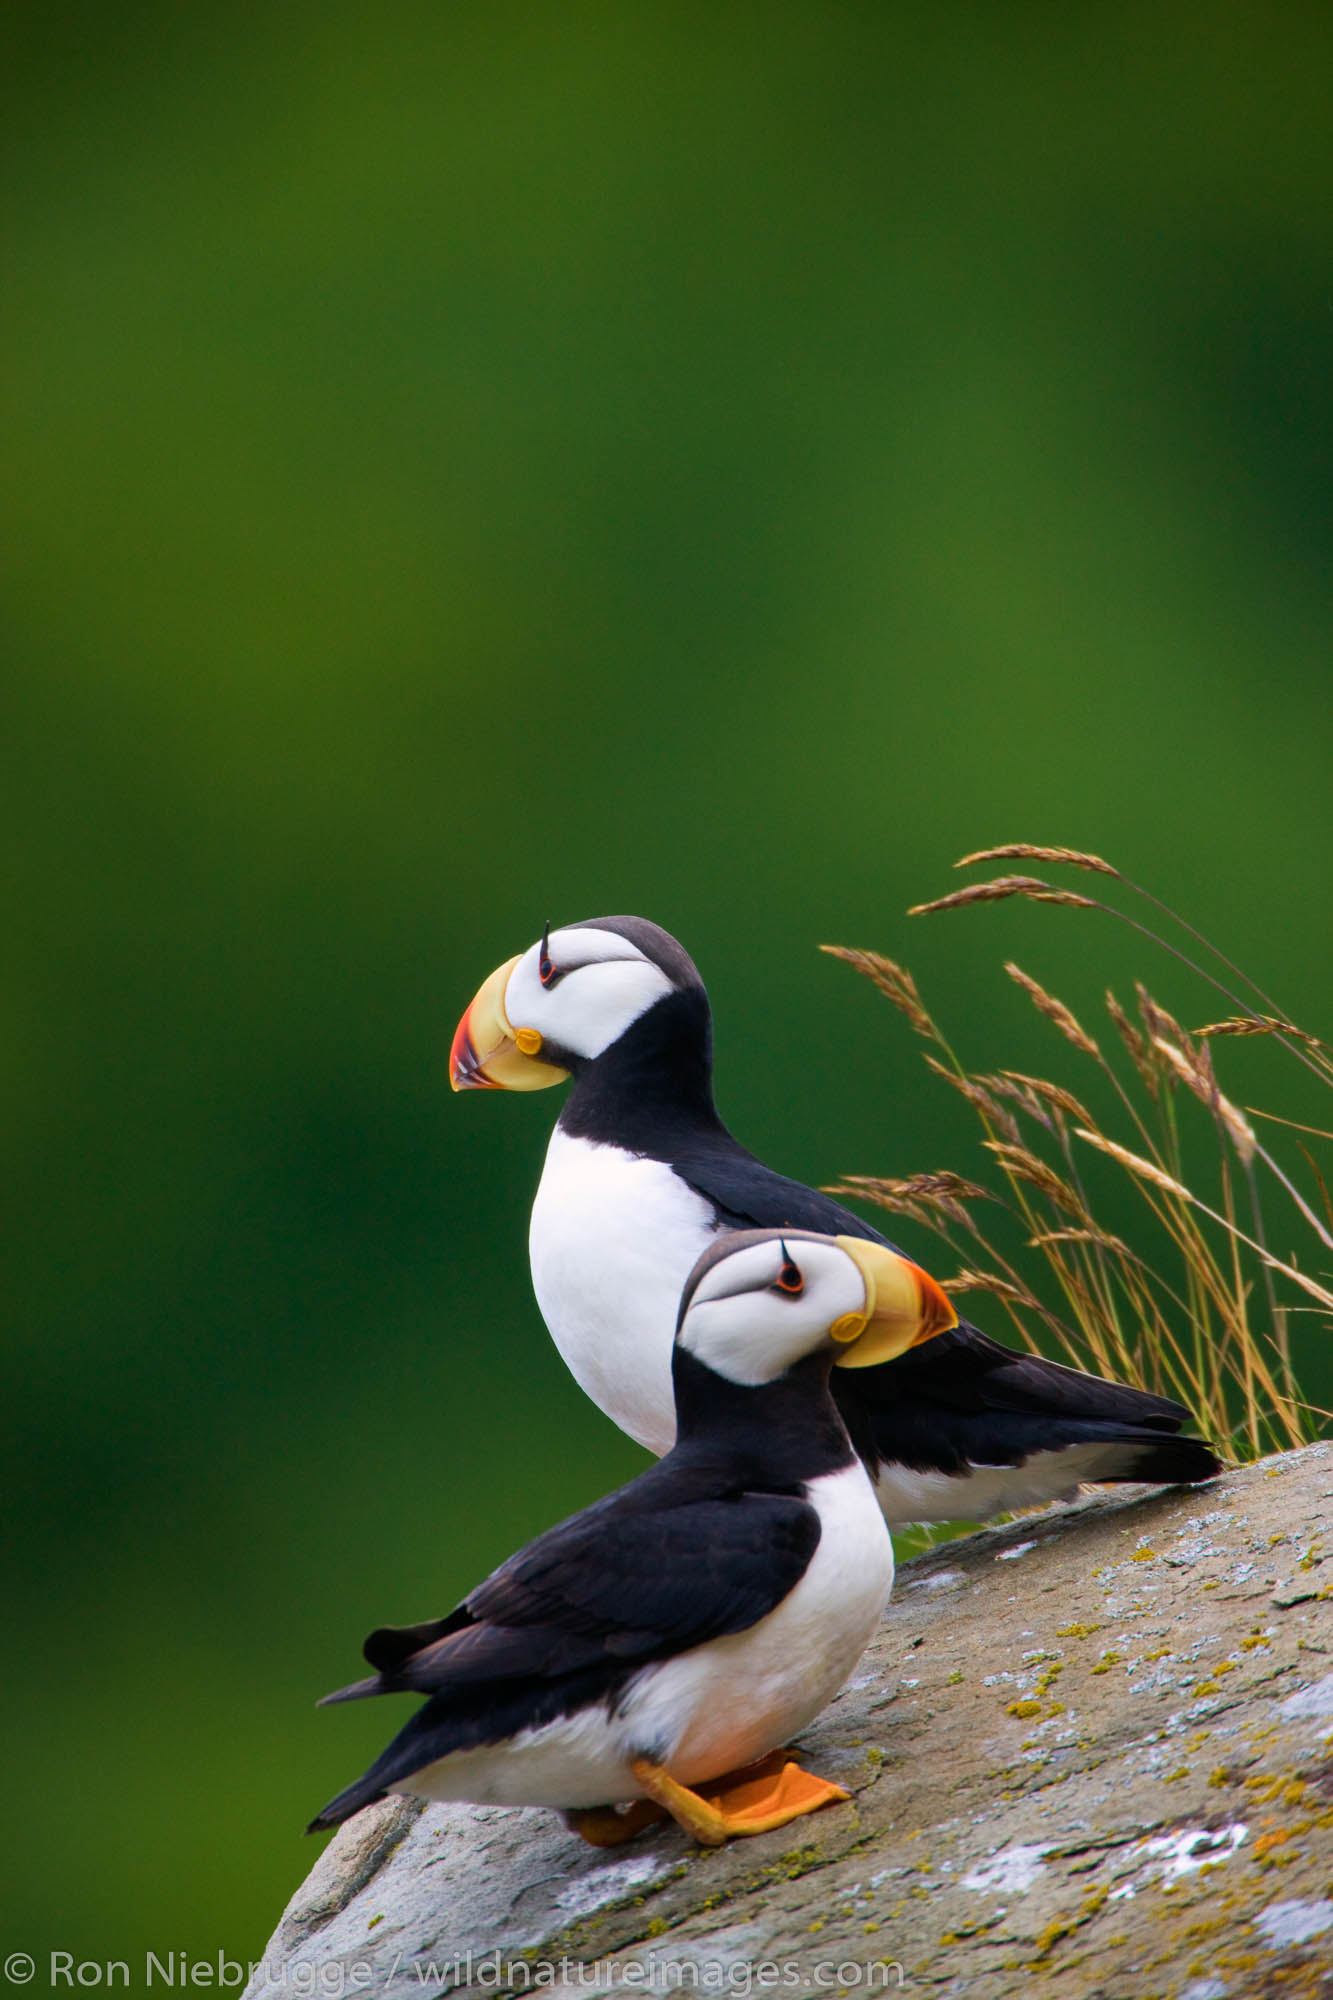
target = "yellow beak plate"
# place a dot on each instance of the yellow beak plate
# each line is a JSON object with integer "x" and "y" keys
{"x": 904, "y": 1306}
{"x": 488, "y": 1054}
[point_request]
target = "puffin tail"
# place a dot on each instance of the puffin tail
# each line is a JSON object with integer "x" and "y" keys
{"x": 1163, "y": 1461}
{"x": 365, "y": 1792}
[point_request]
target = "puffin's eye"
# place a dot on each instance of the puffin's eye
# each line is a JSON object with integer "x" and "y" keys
{"x": 545, "y": 969}
{"x": 790, "y": 1280}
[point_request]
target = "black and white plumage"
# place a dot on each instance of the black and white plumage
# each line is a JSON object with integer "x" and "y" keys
{"x": 692, "y": 1622}
{"x": 641, "y": 1173}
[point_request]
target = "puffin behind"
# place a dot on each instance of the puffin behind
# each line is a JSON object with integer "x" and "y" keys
{"x": 640, "y": 1175}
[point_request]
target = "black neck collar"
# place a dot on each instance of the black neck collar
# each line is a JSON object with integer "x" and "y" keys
{"x": 780, "y": 1435}
{"x": 654, "y": 1085}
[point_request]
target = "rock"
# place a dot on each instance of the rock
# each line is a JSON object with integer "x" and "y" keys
{"x": 1090, "y": 1748}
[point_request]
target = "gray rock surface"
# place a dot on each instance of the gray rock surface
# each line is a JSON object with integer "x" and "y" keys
{"x": 1091, "y": 1750}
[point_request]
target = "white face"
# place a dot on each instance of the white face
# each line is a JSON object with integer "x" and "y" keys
{"x": 758, "y": 1311}
{"x": 600, "y": 983}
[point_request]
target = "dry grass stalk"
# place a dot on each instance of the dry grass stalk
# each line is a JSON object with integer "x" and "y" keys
{"x": 1265, "y": 1024}
{"x": 926, "y": 1187}
{"x": 1135, "y": 1163}
{"x": 1318, "y": 1059}
{"x": 1140, "y": 1054}
{"x": 944, "y": 1193}
{"x": 1018, "y": 1093}
{"x": 1054, "y": 1010}
{"x": 893, "y": 980}
{"x": 1147, "y": 1171}
{"x": 1023, "y": 1165}
{"x": 1160, "y": 1025}
{"x": 1053, "y": 1094}
{"x": 1195, "y": 1070}
{"x": 980, "y": 1099}
{"x": 1020, "y": 850}
{"x": 1100, "y": 1237}
{"x": 1003, "y": 886}
{"x": 987, "y": 1281}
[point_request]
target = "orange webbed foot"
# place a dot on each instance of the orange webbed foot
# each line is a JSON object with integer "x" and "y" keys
{"x": 764, "y": 1796}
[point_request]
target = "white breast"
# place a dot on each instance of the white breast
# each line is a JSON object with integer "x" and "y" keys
{"x": 726, "y": 1703}
{"x": 613, "y": 1239}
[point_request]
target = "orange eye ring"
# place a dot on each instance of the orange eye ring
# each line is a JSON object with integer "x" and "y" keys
{"x": 790, "y": 1280}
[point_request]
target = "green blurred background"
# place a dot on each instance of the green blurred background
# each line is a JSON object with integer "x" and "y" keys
{"x": 470, "y": 466}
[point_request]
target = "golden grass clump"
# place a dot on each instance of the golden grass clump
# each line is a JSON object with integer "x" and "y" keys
{"x": 1197, "y": 1303}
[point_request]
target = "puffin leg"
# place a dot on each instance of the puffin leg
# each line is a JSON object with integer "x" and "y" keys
{"x": 766, "y": 1795}
{"x": 609, "y": 1826}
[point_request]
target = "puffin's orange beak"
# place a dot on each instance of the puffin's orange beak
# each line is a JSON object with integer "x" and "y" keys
{"x": 487, "y": 1054}
{"x": 904, "y": 1306}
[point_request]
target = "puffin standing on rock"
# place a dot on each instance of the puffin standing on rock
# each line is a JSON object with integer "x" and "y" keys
{"x": 640, "y": 1176}
{"x": 676, "y": 1633}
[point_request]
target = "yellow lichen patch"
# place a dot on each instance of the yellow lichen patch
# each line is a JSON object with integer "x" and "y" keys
{"x": 1056, "y": 1708}
{"x": 1225, "y": 1667}
{"x": 1107, "y": 1661}
{"x": 1078, "y": 1631}
{"x": 1205, "y": 1687}
{"x": 1162, "y": 1653}
{"x": 1220, "y": 1776}
{"x": 1247, "y": 1645}
{"x": 1023, "y": 1708}
{"x": 1063, "y": 1927}
{"x": 1144, "y": 1556}
{"x": 1174, "y": 1777}
{"x": 1214, "y": 1585}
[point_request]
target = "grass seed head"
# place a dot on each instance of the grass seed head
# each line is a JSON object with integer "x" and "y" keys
{"x": 1134, "y": 1163}
{"x": 1140, "y": 1054}
{"x": 943, "y": 1192}
{"x": 987, "y": 1281}
{"x": 1021, "y": 850}
{"x": 988, "y": 1107}
{"x": 1054, "y": 1010}
{"x": 1027, "y": 1166}
{"x": 1053, "y": 1094}
{"x": 894, "y": 981}
{"x": 1003, "y": 886}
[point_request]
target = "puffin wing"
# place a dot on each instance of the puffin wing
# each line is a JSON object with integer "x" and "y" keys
{"x": 749, "y": 1195}
{"x": 564, "y": 1624}
{"x": 617, "y": 1585}
{"x": 960, "y": 1370}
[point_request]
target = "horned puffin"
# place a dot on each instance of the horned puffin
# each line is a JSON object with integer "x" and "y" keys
{"x": 682, "y": 1629}
{"x": 641, "y": 1174}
